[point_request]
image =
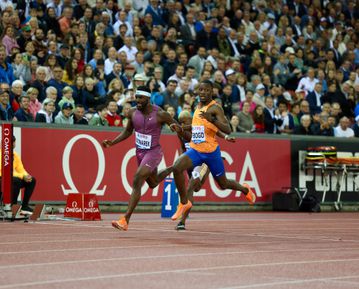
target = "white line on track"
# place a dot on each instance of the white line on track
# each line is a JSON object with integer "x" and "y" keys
{"x": 183, "y": 255}
{"x": 295, "y": 282}
{"x": 197, "y": 269}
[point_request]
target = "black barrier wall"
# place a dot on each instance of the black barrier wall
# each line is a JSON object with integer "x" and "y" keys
{"x": 326, "y": 180}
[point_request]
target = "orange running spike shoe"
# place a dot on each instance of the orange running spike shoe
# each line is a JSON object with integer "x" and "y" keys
{"x": 121, "y": 224}
{"x": 251, "y": 197}
{"x": 181, "y": 209}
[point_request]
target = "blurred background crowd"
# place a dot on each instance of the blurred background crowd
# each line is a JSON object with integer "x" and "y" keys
{"x": 278, "y": 66}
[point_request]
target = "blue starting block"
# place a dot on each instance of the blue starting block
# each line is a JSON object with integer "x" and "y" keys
{"x": 169, "y": 199}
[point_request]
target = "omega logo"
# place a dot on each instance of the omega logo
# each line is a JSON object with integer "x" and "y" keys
{"x": 66, "y": 166}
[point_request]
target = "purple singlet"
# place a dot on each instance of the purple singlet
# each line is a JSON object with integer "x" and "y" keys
{"x": 147, "y": 135}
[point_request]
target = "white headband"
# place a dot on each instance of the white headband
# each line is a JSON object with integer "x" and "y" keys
{"x": 144, "y": 93}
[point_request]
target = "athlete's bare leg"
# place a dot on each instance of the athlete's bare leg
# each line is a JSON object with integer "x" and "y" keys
{"x": 155, "y": 178}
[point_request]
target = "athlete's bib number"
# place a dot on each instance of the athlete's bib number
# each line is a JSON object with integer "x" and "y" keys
{"x": 198, "y": 135}
{"x": 143, "y": 141}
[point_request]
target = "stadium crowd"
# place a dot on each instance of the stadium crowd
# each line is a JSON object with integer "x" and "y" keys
{"x": 278, "y": 66}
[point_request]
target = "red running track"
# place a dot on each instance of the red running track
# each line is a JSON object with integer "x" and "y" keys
{"x": 218, "y": 250}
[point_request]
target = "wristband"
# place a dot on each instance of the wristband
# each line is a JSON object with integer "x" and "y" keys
{"x": 226, "y": 137}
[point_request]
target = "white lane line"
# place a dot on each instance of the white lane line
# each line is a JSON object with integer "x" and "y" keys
{"x": 47, "y": 264}
{"x": 197, "y": 269}
{"x": 214, "y": 242}
{"x": 296, "y": 282}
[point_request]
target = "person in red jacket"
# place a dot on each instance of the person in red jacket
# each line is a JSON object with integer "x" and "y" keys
{"x": 113, "y": 118}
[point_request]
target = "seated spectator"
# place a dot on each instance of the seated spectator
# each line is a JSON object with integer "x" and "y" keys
{"x": 258, "y": 118}
{"x": 323, "y": 128}
{"x": 64, "y": 116}
{"x": 305, "y": 126}
{"x": 79, "y": 115}
{"x": 24, "y": 113}
{"x": 57, "y": 81}
{"x": 6, "y": 111}
{"x": 287, "y": 125}
{"x": 246, "y": 123}
{"x": 99, "y": 119}
{"x": 234, "y": 123}
{"x": 15, "y": 94}
{"x": 112, "y": 116}
{"x": 35, "y": 105}
{"x": 46, "y": 114}
{"x": 67, "y": 97}
{"x": 21, "y": 179}
{"x": 344, "y": 129}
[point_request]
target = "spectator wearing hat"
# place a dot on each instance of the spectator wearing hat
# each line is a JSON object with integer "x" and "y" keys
{"x": 259, "y": 95}
{"x": 23, "y": 113}
{"x": 64, "y": 116}
{"x": 270, "y": 24}
{"x": 231, "y": 77}
{"x": 24, "y": 37}
{"x": 64, "y": 55}
{"x": 6, "y": 111}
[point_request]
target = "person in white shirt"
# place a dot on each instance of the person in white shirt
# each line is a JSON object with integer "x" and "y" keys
{"x": 129, "y": 49}
{"x": 111, "y": 60}
{"x": 122, "y": 16}
{"x": 343, "y": 129}
{"x": 308, "y": 83}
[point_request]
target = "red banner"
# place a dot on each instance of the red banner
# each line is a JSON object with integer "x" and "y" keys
{"x": 72, "y": 161}
{"x": 6, "y": 161}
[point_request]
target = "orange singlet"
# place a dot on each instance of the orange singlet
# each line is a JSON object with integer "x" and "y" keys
{"x": 203, "y": 132}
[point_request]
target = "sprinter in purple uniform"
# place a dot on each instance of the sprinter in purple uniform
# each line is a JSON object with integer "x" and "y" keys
{"x": 147, "y": 120}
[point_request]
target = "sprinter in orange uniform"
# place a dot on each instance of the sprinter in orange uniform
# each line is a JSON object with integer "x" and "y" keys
{"x": 207, "y": 120}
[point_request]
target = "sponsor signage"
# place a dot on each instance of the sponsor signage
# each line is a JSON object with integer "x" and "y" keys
{"x": 6, "y": 161}
{"x": 82, "y": 206}
{"x": 73, "y": 161}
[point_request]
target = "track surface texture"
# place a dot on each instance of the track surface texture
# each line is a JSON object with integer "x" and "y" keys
{"x": 218, "y": 250}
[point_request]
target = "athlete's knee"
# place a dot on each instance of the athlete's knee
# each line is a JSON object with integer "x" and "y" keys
{"x": 152, "y": 184}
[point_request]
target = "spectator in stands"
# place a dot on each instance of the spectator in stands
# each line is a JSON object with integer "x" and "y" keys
{"x": 315, "y": 99}
{"x": 21, "y": 179}
{"x": 65, "y": 115}
{"x": 67, "y": 97}
{"x": 355, "y": 126}
{"x": 197, "y": 61}
{"x": 6, "y": 111}
{"x": 344, "y": 129}
{"x": 234, "y": 123}
{"x": 79, "y": 115}
{"x": 305, "y": 126}
{"x": 24, "y": 113}
{"x": 113, "y": 118}
{"x": 57, "y": 81}
{"x": 15, "y": 94}
{"x": 6, "y": 71}
{"x": 99, "y": 119}
{"x": 258, "y": 119}
{"x": 34, "y": 105}
{"x": 46, "y": 114}
{"x": 169, "y": 97}
{"x": 246, "y": 123}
